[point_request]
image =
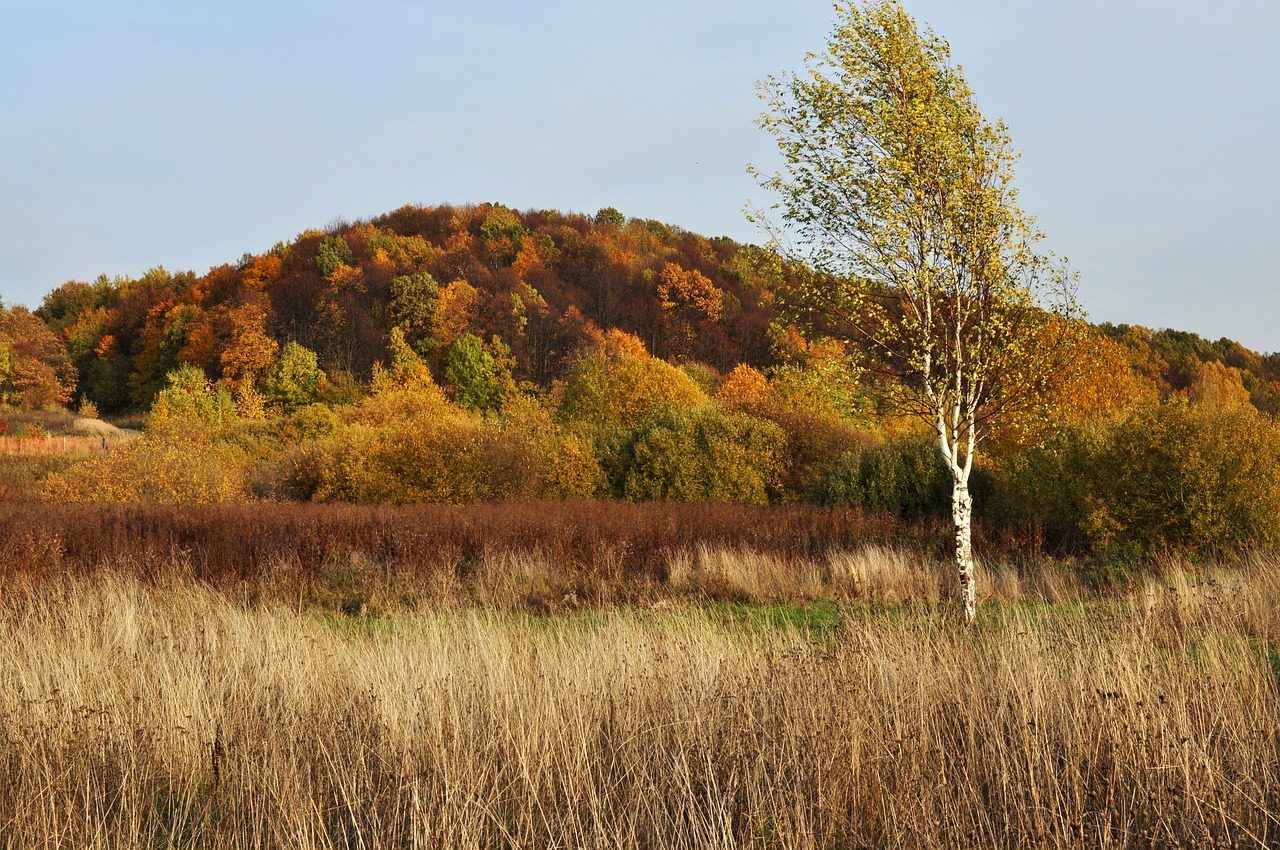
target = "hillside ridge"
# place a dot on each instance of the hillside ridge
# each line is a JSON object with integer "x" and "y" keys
{"x": 532, "y": 288}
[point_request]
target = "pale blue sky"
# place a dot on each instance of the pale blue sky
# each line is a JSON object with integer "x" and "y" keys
{"x": 136, "y": 134}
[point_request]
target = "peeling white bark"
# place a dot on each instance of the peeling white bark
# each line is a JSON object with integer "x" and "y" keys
{"x": 962, "y": 515}
{"x": 957, "y": 444}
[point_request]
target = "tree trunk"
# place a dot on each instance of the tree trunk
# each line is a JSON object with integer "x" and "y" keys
{"x": 962, "y": 515}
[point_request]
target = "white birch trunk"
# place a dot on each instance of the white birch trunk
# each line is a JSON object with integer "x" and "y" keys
{"x": 962, "y": 516}
{"x": 960, "y": 464}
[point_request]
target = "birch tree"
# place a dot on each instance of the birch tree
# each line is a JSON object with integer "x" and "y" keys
{"x": 900, "y": 196}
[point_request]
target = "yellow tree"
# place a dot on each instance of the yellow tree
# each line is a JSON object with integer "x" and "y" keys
{"x": 454, "y": 312}
{"x": 35, "y": 370}
{"x": 689, "y": 301}
{"x": 744, "y": 388}
{"x": 1101, "y": 385}
{"x": 619, "y": 385}
{"x": 1218, "y": 385}
{"x": 900, "y": 195}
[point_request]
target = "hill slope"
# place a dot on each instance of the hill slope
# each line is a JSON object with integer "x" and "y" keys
{"x": 531, "y": 286}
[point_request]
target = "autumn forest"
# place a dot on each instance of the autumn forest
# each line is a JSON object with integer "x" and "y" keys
{"x": 473, "y": 354}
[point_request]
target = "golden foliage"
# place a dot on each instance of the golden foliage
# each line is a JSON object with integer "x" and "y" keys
{"x": 689, "y": 290}
{"x": 1218, "y": 385}
{"x": 454, "y": 312}
{"x": 172, "y": 466}
{"x": 262, "y": 271}
{"x": 35, "y": 370}
{"x": 614, "y": 343}
{"x": 573, "y": 469}
{"x": 251, "y": 351}
{"x": 822, "y": 382}
{"x": 347, "y": 278}
{"x": 201, "y": 347}
{"x": 744, "y": 388}
{"x": 414, "y": 396}
{"x": 406, "y": 370}
{"x": 690, "y": 302}
{"x": 410, "y": 445}
{"x": 251, "y": 405}
{"x": 622, "y": 390}
{"x": 527, "y": 258}
{"x": 550, "y": 462}
{"x": 1100, "y": 384}
{"x": 429, "y": 460}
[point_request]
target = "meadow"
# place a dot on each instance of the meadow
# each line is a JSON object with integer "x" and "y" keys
{"x": 788, "y": 691}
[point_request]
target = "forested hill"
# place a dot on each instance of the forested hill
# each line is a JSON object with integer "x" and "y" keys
{"x": 530, "y": 287}
{"x": 1174, "y": 361}
{"x": 527, "y": 291}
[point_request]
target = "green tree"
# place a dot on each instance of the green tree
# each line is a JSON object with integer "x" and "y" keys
{"x": 502, "y": 224}
{"x": 900, "y": 194}
{"x": 106, "y": 382}
{"x": 901, "y": 477}
{"x": 472, "y": 374}
{"x": 610, "y": 216}
{"x": 332, "y": 253}
{"x": 1196, "y": 478}
{"x": 405, "y": 369}
{"x": 295, "y": 378}
{"x": 1193, "y": 476}
{"x": 411, "y": 306}
{"x": 189, "y": 397}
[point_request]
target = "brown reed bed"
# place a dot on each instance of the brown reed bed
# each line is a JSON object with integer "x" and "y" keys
{"x": 597, "y": 552}
{"x": 167, "y": 714}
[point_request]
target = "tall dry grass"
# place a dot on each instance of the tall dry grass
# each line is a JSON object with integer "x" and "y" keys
{"x": 170, "y": 715}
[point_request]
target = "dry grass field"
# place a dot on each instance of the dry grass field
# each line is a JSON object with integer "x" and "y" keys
{"x": 156, "y": 711}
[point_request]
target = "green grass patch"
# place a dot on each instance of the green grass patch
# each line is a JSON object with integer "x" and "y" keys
{"x": 355, "y": 625}
{"x": 819, "y": 618}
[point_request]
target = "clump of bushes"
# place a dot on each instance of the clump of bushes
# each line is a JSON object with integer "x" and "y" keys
{"x": 904, "y": 476}
{"x": 1193, "y": 474}
{"x": 193, "y": 452}
{"x": 1181, "y": 476}
{"x": 620, "y": 386}
{"x": 816, "y": 445}
{"x": 703, "y": 455}
{"x": 312, "y": 422}
{"x": 188, "y": 396}
{"x": 160, "y": 468}
{"x": 409, "y": 444}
